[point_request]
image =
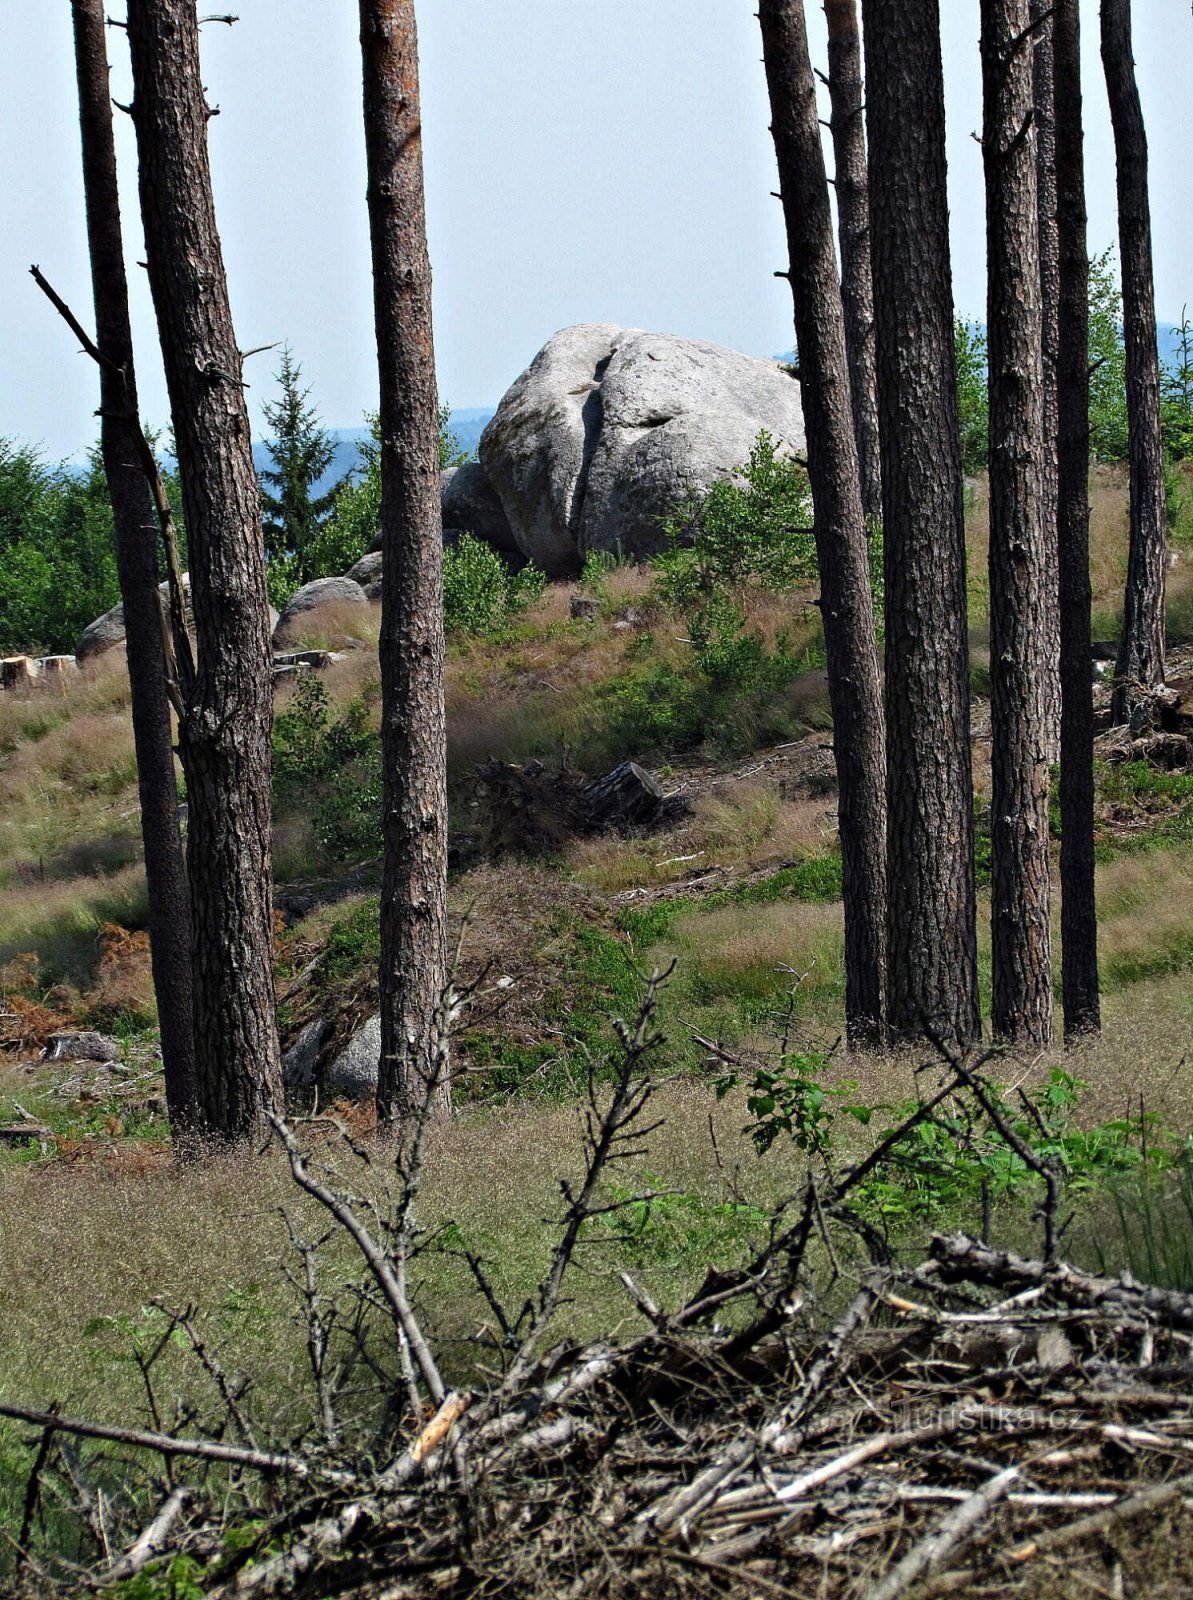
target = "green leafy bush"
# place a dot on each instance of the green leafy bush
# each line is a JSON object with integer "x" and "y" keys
{"x": 757, "y": 529}
{"x": 1176, "y": 400}
{"x": 335, "y": 759}
{"x": 480, "y": 593}
{"x": 1108, "y": 431}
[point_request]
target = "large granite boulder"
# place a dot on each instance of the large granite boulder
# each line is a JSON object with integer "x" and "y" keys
{"x": 676, "y": 415}
{"x": 471, "y": 504}
{"x": 537, "y": 447}
{"x": 322, "y": 592}
{"x": 609, "y": 428}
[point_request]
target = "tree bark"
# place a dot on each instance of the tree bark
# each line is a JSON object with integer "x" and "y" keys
{"x": 1019, "y": 574}
{"x": 1140, "y": 665}
{"x": 853, "y": 227}
{"x": 414, "y": 967}
{"x": 1044, "y": 122}
{"x": 931, "y": 920}
{"x": 225, "y": 728}
{"x": 1078, "y": 917}
{"x": 136, "y": 563}
{"x": 840, "y": 523}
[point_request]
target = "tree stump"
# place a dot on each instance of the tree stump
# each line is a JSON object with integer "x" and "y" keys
{"x": 624, "y": 797}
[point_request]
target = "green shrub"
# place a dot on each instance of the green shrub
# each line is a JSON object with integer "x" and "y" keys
{"x": 338, "y": 760}
{"x": 1176, "y": 397}
{"x": 756, "y": 530}
{"x": 480, "y": 593}
{"x": 1108, "y": 430}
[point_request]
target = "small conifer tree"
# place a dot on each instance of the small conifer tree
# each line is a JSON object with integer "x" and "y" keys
{"x": 301, "y": 451}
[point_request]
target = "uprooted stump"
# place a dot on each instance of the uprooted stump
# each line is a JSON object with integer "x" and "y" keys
{"x": 528, "y": 808}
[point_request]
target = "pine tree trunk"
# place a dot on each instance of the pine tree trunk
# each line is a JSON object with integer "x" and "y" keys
{"x": 931, "y": 921}
{"x": 853, "y": 223}
{"x": 840, "y": 525}
{"x": 136, "y": 564}
{"x": 1078, "y": 917}
{"x": 414, "y": 968}
{"x": 1019, "y": 574}
{"x": 1044, "y": 123}
{"x": 226, "y": 727}
{"x": 1140, "y": 665}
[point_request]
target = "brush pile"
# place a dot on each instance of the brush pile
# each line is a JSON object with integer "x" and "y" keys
{"x": 978, "y": 1423}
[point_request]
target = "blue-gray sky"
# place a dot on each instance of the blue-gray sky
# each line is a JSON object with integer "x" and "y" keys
{"x": 606, "y": 160}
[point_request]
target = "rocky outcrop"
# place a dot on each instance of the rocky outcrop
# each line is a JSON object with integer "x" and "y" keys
{"x": 367, "y": 571}
{"x": 609, "y": 428}
{"x": 353, "y": 1073}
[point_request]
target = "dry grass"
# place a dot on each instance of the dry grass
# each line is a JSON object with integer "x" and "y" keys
{"x": 1145, "y": 916}
{"x": 130, "y": 1227}
{"x": 328, "y": 626}
{"x": 62, "y": 921}
{"x": 745, "y": 826}
{"x": 754, "y": 954}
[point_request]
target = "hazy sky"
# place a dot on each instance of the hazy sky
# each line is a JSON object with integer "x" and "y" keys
{"x": 586, "y": 160}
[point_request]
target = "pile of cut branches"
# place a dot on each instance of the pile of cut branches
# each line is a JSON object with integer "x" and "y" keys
{"x": 980, "y": 1422}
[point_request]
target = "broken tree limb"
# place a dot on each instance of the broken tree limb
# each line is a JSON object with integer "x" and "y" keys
{"x": 168, "y": 1444}
{"x": 951, "y": 1532}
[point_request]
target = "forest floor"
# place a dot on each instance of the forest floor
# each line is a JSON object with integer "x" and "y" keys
{"x": 101, "y": 1230}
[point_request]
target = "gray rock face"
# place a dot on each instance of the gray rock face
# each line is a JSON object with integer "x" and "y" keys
{"x": 677, "y": 414}
{"x": 609, "y": 428}
{"x": 470, "y": 503}
{"x": 353, "y": 1073}
{"x": 323, "y": 591}
{"x": 101, "y": 635}
{"x": 537, "y": 447}
{"x": 301, "y": 1060}
{"x": 367, "y": 570}
{"x": 107, "y": 631}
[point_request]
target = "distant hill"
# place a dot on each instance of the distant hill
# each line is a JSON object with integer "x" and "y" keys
{"x": 467, "y": 424}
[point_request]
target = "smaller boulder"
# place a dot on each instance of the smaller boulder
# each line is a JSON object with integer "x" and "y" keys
{"x": 470, "y": 502}
{"x": 353, "y": 1073}
{"x": 367, "y": 570}
{"x": 584, "y": 608}
{"x": 104, "y": 634}
{"x": 322, "y": 592}
{"x": 108, "y": 631}
{"x": 300, "y": 1063}
{"x": 81, "y": 1047}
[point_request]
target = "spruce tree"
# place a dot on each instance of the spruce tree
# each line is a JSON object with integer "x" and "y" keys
{"x": 301, "y": 451}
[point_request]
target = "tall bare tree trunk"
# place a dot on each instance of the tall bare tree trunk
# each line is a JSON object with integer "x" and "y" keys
{"x": 414, "y": 971}
{"x": 226, "y": 726}
{"x": 1140, "y": 665}
{"x": 1019, "y": 570}
{"x": 1044, "y": 122}
{"x": 136, "y": 563}
{"x": 931, "y": 921}
{"x": 853, "y": 227}
{"x": 1078, "y": 916}
{"x": 840, "y": 524}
